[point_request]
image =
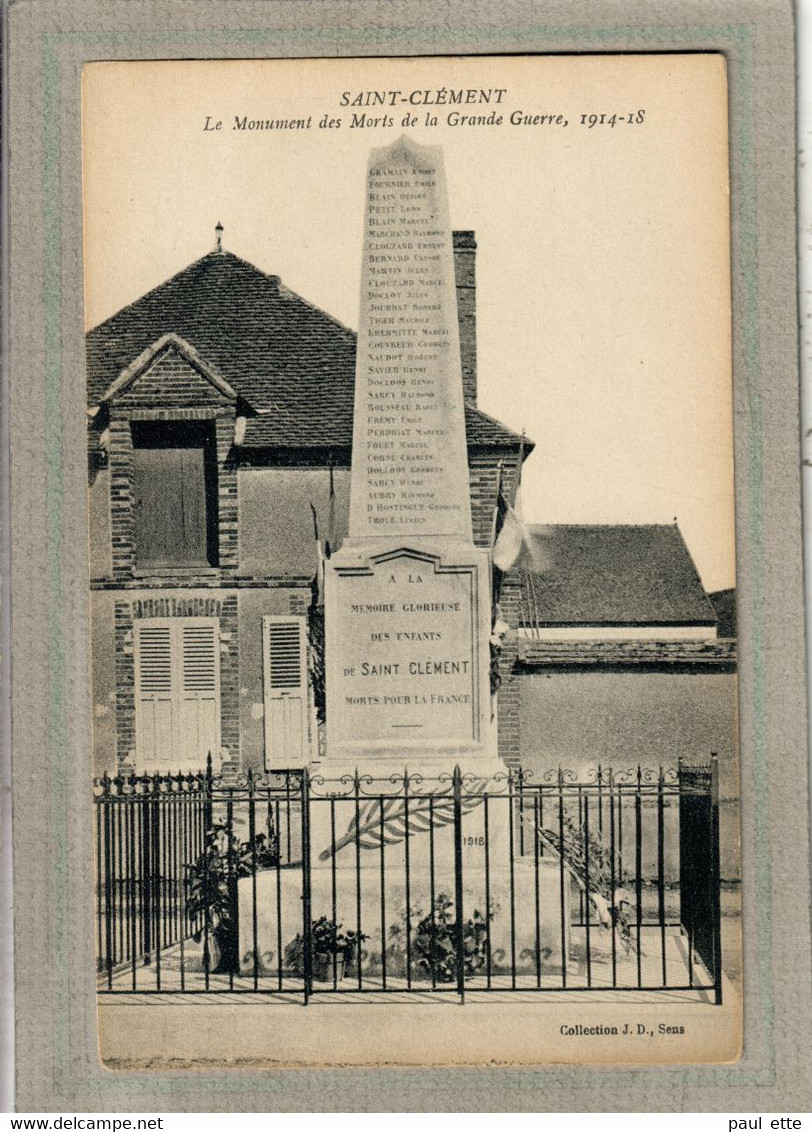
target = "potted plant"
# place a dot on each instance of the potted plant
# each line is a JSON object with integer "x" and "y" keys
{"x": 329, "y": 949}
{"x": 332, "y": 948}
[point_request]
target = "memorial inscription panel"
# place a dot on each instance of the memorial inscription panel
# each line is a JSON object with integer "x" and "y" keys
{"x": 409, "y": 666}
{"x": 410, "y": 471}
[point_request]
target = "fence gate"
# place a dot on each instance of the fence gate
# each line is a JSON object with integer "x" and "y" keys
{"x": 699, "y": 867}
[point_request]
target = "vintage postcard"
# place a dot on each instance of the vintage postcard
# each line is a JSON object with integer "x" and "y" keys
{"x": 387, "y": 691}
{"x": 413, "y": 589}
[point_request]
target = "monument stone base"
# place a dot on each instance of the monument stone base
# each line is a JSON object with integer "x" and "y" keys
{"x": 515, "y": 935}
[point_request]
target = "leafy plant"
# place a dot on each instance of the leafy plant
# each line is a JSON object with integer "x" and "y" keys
{"x": 211, "y": 901}
{"x": 435, "y": 942}
{"x": 327, "y": 938}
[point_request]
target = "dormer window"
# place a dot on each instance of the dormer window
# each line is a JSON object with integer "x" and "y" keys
{"x": 174, "y": 482}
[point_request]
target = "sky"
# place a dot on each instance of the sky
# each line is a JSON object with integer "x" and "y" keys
{"x": 603, "y": 295}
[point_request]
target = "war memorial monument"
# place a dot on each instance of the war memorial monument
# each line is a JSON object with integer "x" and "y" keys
{"x": 411, "y": 802}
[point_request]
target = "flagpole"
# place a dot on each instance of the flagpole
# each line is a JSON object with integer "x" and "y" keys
{"x": 319, "y": 576}
{"x": 329, "y": 545}
{"x": 499, "y": 470}
{"x": 315, "y": 521}
{"x": 520, "y": 462}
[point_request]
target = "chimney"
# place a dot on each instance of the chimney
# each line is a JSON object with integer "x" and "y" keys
{"x": 465, "y": 274}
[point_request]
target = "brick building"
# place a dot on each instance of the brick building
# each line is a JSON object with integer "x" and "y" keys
{"x": 218, "y": 403}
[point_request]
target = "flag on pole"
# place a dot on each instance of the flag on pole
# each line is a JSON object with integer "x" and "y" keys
{"x": 510, "y": 534}
{"x": 329, "y": 543}
{"x": 318, "y": 580}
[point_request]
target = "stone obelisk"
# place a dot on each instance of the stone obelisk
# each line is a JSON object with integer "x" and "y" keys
{"x": 407, "y": 604}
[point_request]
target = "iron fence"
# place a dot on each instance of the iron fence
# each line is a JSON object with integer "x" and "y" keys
{"x": 296, "y": 883}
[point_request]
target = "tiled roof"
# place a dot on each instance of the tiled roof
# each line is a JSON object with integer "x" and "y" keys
{"x": 262, "y": 338}
{"x": 584, "y": 654}
{"x": 612, "y": 575}
{"x": 292, "y": 363}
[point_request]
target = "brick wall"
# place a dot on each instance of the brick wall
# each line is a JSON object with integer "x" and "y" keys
{"x": 228, "y": 531}
{"x": 509, "y": 718}
{"x": 299, "y": 602}
{"x": 121, "y": 496}
{"x": 230, "y": 678}
{"x": 483, "y": 472}
{"x": 125, "y": 683}
{"x": 170, "y": 380}
{"x": 710, "y": 655}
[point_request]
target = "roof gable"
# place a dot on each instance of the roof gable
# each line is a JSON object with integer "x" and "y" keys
{"x": 613, "y": 575}
{"x": 169, "y": 369}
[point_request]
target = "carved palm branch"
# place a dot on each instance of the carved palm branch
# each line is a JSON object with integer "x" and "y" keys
{"x": 390, "y": 820}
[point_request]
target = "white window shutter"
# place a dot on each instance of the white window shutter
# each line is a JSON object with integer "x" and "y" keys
{"x": 155, "y": 694}
{"x": 199, "y": 697}
{"x": 177, "y": 679}
{"x": 285, "y": 664}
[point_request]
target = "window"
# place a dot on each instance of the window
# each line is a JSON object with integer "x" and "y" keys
{"x": 174, "y": 494}
{"x": 177, "y": 704}
{"x": 284, "y": 643}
